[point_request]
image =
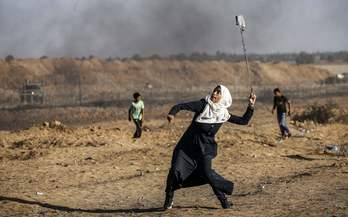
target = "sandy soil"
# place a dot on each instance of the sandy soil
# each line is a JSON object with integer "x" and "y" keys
{"x": 98, "y": 170}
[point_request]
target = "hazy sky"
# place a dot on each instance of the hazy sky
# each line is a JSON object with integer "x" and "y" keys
{"x": 32, "y": 28}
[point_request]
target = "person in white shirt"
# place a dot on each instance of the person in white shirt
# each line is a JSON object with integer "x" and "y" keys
{"x": 136, "y": 113}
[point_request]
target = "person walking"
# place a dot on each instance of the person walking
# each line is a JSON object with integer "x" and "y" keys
{"x": 136, "y": 113}
{"x": 282, "y": 105}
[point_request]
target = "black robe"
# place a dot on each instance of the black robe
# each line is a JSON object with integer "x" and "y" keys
{"x": 192, "y": 156}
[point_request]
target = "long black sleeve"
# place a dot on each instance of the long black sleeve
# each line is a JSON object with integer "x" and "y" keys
{"x": 244, "y": 120}
{"x": 195, "y": 106}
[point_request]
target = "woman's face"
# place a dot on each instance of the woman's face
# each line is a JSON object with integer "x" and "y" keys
{"x": 216, "y": 95}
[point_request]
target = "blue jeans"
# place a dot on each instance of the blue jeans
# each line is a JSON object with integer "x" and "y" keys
{"x": 282, "y": 123}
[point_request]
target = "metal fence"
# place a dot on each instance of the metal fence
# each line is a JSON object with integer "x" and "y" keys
{"x": 74, "y": 95}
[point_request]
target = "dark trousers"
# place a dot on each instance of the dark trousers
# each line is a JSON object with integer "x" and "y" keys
{"x": 186, "y": 172}
{"x": 281, "y": 116}
{"x": 138, "y": 124}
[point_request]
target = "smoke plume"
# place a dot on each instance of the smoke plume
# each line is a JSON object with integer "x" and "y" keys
{"x": 33, "y": 28}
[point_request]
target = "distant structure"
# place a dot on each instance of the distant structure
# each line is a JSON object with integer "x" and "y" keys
{"x": 32, "y": 93}
{"x": 336, "y": 79}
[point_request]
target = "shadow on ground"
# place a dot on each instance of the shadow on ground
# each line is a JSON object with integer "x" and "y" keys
{"x": 70, "y": 209}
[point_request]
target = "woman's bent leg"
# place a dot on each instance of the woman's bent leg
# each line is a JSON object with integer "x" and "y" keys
{"x": 219, "y": 185}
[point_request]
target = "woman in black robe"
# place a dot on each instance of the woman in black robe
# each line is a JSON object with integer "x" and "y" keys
{"x": 192, "y": 157}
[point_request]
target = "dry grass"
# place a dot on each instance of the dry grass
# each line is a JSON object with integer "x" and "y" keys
{"x": 333, "y": 68}
{"x": 322, "y": 113}
{"x": 101, "y": 76}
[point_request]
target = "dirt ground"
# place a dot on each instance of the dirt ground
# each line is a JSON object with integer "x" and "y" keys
{"x": 98, "y": 170}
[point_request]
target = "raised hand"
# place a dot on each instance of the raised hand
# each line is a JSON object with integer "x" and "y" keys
{"x": 252, "y": 99}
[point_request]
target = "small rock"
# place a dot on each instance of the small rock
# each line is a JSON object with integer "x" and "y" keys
{"x": 62, "y": 164}
{"x": 338, "y": 150}
{"x": 55, "y": 123}
{"x": 331, "y": 120}
{"x": 146, "y": 129}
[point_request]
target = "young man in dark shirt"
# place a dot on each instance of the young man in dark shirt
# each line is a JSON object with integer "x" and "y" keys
{"x": 282, "y": 104}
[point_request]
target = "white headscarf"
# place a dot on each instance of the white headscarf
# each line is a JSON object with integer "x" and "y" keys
{"x": 216, "y": 112}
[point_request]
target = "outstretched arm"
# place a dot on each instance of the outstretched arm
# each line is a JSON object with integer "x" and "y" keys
{"x": 195, "y": 106}
{"x": 244, "y": 120}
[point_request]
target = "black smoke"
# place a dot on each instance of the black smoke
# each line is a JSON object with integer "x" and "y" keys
{"x": 33, "y": 28}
